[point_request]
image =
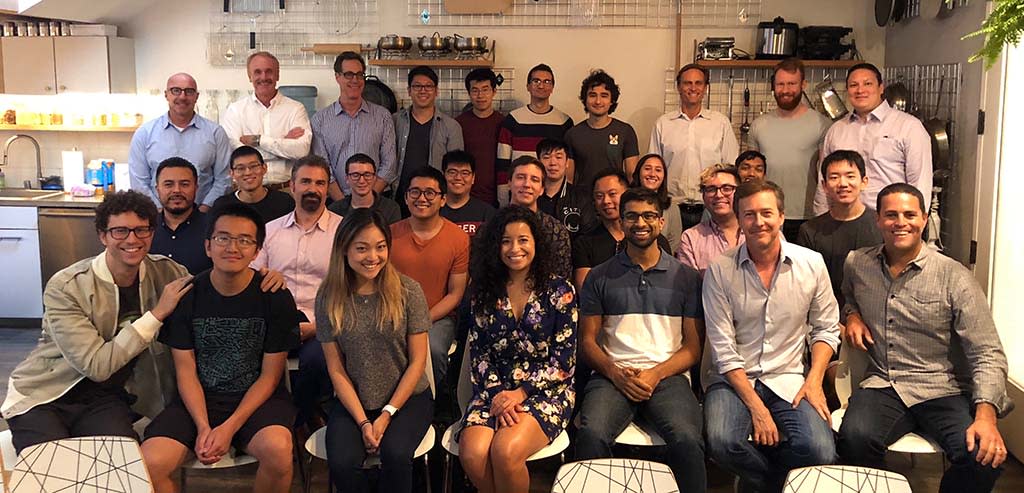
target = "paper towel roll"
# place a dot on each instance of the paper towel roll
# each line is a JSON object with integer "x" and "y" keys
{"x": 121, "y": 179}
{"x": 72, "y": 168}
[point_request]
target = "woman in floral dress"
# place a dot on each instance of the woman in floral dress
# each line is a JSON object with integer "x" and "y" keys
{"x": 522, "y": 352}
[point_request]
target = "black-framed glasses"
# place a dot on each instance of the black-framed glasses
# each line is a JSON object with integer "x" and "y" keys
{"x": 366, "y": 175}
{"x": 224, "y": 240}
{"x": 353, "y": 75}
{"x": 121, "y": 232}
{"x": 428, "y": 193}
{"x": 649, "y": 216}
{"x": 422, "y": 87}
{"x": 189, "y": 91}
{"x": 712, "y": 190}
{"x": 452, "y": 173}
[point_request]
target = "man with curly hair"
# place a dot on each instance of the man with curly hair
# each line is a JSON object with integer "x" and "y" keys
{"x": 600, "y": 141}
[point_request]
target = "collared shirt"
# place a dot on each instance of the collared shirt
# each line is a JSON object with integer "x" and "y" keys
{"x": 688, "y": 146}
{"x": 248, "y": 116}
{"x": 766, "y": 332}
{"x": 642, "y": 310}
{"x": 337, "y": 135}
{"x": 185, "y": 244}
{"x": 933, "y": 331}
{"x": 445, "y": 135}
{"x": 895, "y": 146}
{"x": 703, "y": 243}
{"x": 202, "y": 142}
{"x": 302, "y": 256}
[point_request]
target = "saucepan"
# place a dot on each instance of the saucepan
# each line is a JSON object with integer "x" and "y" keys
{"x": 394, "y": 42}
{"x": 470, "y": 43}
{"x": 434, "y": 43}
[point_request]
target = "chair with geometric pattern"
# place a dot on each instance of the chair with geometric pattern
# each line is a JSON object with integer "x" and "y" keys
{"x": 844, "y": 479}
{"x": 84, "y": 464}
{"x": 614, "y": 476}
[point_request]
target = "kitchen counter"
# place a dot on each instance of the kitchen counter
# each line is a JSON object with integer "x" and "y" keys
{"x": 65, "y": 200}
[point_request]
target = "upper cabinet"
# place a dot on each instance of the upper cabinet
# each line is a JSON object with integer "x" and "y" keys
{"x": 55, "y": 65}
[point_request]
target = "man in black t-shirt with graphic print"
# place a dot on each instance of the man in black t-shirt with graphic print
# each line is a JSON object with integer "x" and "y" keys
{"x": 230, "y": 342}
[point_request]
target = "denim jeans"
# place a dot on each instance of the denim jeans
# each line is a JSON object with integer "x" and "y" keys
{"x": 442, "y": 333}
{"x": 808, "y": 439}
{"x": 672, "y": 411}
{"x": 877, "y": 417}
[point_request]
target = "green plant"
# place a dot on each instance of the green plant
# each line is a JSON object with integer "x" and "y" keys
{"x": 1002, "y": 27}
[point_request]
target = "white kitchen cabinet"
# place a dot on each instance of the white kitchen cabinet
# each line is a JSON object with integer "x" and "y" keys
{"x": 54, "y": 65}
{"x": 19, "y": 259}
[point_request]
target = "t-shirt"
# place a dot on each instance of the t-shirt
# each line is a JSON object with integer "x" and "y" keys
{"x": 129, "y": 309}
{"x": 571, "y": 205}
{"x": 598, "y": 245}
{"x": 273, "y": 205}
{"x": 834, "y": 239}
{"x": 230, "y": 334}
{"x": 593, "y": 149}
{"x": 522, "y": 130}
{"x": 417, "y": 150}
{"x": 471, "y": 216}
{"x": 387, "y": 207}
{"x": 480, "y": 136}
{"x": 430, "y": 262}
{"x": 790, "y": 146}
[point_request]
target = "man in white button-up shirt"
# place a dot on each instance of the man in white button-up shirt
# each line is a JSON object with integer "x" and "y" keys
{"x": 764, "y": 302}
{"x": 691, "y": 139}
{"x": 276, "y": 125}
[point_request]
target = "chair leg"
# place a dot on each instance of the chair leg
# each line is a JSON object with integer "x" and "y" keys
{"x": 447, "y": 479}
{"x": 426, "y": 469}
{"x": 183, "y": 487}
{"x": 298, "y": 462}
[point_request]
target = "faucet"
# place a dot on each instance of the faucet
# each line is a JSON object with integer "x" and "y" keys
{"x": 39, "y": 159}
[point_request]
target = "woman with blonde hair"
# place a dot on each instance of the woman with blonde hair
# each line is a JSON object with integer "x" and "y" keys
{"x": 373, "y": 322}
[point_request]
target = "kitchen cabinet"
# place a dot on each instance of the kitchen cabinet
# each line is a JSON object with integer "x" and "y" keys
{"x": 64, "y": 64}
{"x": 19, "y": 258}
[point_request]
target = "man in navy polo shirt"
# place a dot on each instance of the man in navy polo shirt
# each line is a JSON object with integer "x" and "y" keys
{"x": 647, "y": 307}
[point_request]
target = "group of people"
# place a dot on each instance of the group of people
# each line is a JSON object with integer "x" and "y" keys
{"x": 367, "y": 245}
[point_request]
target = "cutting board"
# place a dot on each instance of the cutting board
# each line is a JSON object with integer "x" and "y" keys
{"x": 476, "y": 6}
{"x": 332, "y": 48}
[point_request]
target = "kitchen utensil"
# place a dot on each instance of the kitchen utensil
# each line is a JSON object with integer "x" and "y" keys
{"x": 745, "y": 127}
{"x": 379, "y": 93}
{"x": 716, "y": 48}
{"x": 776, "y": 39}
{"x": 883, "y": 11}
{"x": 394, "y": 42}
{"x": 898, "y": 8}
{"x": 824, "y": 42}
{"x": 434, "y": 43}
{"x": 332, "y": 48}
{"x": 470, "y": 43}
{"x": 897, "y": 95}
{"x": 940, "y": 132}
{"x": 731, "y": 80}
{"x": 835, "y": 107}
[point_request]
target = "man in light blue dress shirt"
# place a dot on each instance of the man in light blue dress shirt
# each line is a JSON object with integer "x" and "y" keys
{"x": 181, "y": 133}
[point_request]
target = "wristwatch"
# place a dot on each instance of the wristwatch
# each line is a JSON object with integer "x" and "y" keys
{"x": 256, "y": 141}
{"x": 391, "y": 410}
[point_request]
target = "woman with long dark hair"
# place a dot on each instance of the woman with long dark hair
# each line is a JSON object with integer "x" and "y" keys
{"x": 650, "y": 174}
{"x": 373, "y": 322}
{"x": 522, "y": 352}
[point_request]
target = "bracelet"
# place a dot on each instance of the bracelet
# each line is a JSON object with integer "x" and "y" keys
{"x": 364, "y": 423}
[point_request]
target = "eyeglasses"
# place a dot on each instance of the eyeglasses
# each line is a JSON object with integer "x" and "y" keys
{"x": 353, "y": 75}
{"x": 247, "y": 169}
{"x": 189, "y": 91}
{"x": 422, "y": 87}
{"x": 223, "y": 240}
{"x": 367, "y": 175}
{"x": 452, "y": 173}
{"x": 725, "y": 189}
{"x": 121, "y": 233}
{"x": 649, "y": 216}
{"x": 480, "y": 90}
{"x": 429, "y": 194}
{"x": 542, "y": 82}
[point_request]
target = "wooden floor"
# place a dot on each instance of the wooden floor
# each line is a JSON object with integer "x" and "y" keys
{"x": 924, "y": 472}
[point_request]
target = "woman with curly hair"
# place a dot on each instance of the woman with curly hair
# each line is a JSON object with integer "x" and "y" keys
{"x": 650, "y": 174}
{"x": 522, "y": 348}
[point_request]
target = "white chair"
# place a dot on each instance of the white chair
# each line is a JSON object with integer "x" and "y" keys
{"x": 463, "y": 393}
{"x": 10, "y": 456}
{"x": 844, "y": 479}
{"x": 96, "y": 463}
{"x": 849, "y": 373}
{"x": 614, "y": 476}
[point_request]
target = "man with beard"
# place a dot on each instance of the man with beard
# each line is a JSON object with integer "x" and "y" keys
{"x": 298, "y": 245}
{"x": 690, "y": 139}
{"x": 181, "y": 133}
{"x": 527, "y": 185}
{"x": 640, "y": 326}
{"x": 247, "y": 171}
{"x": 181, "y": 227}
{"x": 765, "y": 302}
{"x": 600, "y": 141}
{"x": 269, "y": 121}
{"x": 790, "y": 138}
{"x": 720, "y": 231}
{"x": 480, "y": 126}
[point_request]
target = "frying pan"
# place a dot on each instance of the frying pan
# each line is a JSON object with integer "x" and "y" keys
{"x": 897, "y": 95}
{"x": 898, "y": 7}
{"x": 939, "y": 131}
{"x": 883, "y": 11}
{"x": 379, "y": 93}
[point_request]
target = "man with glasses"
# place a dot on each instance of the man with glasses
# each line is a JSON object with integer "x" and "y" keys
{"x": 269, "y": 121}
{"x": 247, "y": 171}
{"x": 690, "y": 139}
{"x": 435, "y": 253}
{"x": 525, "y": 127}
{"x": 480, "y": 124}
{"x": 424, "y": 134}
{"x": 640, "y": 330}
{"x": 181, "y": 133}
{"x": 461, "y": 207}
{"x": 181, "y": 228}
{"x": 360, "y": 174}
{"x": 94, "y": 368}
{"x": 720, "y": 231}
{"x": 351, "y": 125}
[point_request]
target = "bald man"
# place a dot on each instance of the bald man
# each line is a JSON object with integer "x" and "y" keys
{"x": 181, "y": 133}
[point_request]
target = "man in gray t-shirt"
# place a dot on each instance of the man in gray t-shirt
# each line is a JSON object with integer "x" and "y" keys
{"x": 790, "y": 137}
{"x": 600, "y": 141}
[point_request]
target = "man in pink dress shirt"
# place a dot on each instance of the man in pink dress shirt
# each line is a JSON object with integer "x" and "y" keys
{"x": 298, "y": 245}
{"x": 719, "y": 230}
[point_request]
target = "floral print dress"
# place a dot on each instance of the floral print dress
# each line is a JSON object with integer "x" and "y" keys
{"x": 536, "y": 352}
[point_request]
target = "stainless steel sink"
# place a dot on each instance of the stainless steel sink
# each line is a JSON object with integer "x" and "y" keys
{"x": 28, "y": 194}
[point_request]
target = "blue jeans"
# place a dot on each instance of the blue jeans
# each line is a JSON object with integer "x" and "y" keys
{"x": 672, "y": 411}
{"x": 808, "y": 439}
{"x": 441, "y": 335}
{"x": 877, "y": 417}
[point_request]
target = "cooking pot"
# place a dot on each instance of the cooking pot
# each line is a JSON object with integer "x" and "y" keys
{"x": 434, "y": 43}
{"x": 379, "y": 93}
{"x": 897, "y": 95}
{"x": 776, "y": 39}
{"x": 394, "y": 42}
{"x": 470, "y": 43}
{"x": 831, "y": 102}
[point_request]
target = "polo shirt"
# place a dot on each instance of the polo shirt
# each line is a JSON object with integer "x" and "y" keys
{"x": 642, "y": 311}
{"x": 185, "y": 244}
